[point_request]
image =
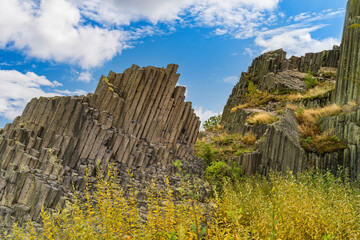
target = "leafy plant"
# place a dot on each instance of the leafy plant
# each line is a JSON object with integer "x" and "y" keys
{"x": 283, "y": 206}
{"x": 205, "y": 152}
{"x": 212, "y": 123}
{"x": 219, "y": 172}
{"x": 310, "y": 81}
{"x": 354, "y": 26}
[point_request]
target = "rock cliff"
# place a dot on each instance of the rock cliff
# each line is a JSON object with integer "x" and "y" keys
{"x": 347, "y": 85}
{"x": 136, "y": 120}
{"x": 312, "y": 133}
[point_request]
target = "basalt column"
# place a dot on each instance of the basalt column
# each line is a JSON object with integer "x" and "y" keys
{"x": 348, "y": 81}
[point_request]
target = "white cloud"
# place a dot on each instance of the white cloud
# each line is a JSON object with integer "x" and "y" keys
{"x": 59, "y": 30}
{"x": 54, "y": 31}
{"x": 90, "y": 32}
{"x": 294, "y": 39}
{"x": 250, "y": 52}
{"x": 123, "y": 12}
{"x": 17, "y": 89}
{"x": 231, "y": 79}
{"x": 85, "y": 77}
{"x": 71, "y": 93}
{"x": 204, "y": 114}
{"x": 238, "y": 18}
{"x": 316, "y": 16}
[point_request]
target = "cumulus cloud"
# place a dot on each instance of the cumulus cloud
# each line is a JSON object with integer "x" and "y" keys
{"x": 54, "y": 30}
{"x": 204, "y": 114}
{"x": 123, "y": 12}
{"x": 84, "y": 77}
{"x": 88, "y": 33}
{"x": 250, "y": 52}
{"x": 294, "y": 40}
{"x": 238, "y": 18}
{"x": 17, "y": 89}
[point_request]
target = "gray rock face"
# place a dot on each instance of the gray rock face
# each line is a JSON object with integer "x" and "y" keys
{"x": 347, "y": 85}
{"x": 346, "y": 127}
{"x": 137, "y": 120}
{"x": 280, "y": 150}
{"x": 272, "y": 71}
{"x": 288, "y": 79}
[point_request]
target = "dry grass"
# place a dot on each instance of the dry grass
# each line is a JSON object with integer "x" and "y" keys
{"x": 312, "y": 93}
{"x": 322, "y": 143}
{"x": 249, "y": 138}
{"x": 292, "y": 106}
{"x": 313, "y": 115}
{"x": 309, "y": 129}
{"x": 312, "y": 138}
{"x": 261, "y": 118}
{"x": 241, "y": 106}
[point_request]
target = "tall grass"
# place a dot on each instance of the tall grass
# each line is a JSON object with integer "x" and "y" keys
{"x": 309, "y": 206}
{"x": 261, "y": 118}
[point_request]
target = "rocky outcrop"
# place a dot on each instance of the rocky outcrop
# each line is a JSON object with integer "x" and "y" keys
{"x": 279, "y": 150}
{"x": 288, "y": 79}
{"x": 279, "y": 147}
{"x": 272, "y": 71}
{"x": 347, "y": 85}
{"x": 136, "y": 120}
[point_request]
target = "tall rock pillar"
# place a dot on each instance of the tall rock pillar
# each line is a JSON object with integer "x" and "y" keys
{"x": 348, "y": 80}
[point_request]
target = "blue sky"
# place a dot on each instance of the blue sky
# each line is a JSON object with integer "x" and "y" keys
{"x": 62, "y": 47}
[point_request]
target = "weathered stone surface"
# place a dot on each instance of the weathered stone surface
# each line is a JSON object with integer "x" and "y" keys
{"x": 288, "y": 79}
{"x": 347, "y": 84}
{"x": 272, "y": 71}
{"x": 136, "y": 120}
{"x": 279, "y": 150}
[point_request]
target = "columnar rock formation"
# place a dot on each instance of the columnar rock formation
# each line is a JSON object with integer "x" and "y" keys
{"x": 279, "y": 145}
{"x": 137, "y": 120}
{"x": 348, "y": 82}
{"x": 272, "y": 71}
{"x": 280, "y": 148}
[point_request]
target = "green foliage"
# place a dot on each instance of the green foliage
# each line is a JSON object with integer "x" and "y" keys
{"x": 282, "y": 206}
{"x": 336, "y": 139}
{"x": 225, "y": 147}
{"x": 212, "y": 123}
{"x": 255, "y": 97}
{"x": 354, "y": 26}
{"x": 252, "y": 89}
{"x": 219, "y": 172}
{"x": 205, "y": 152}
{"x": 310, "y": 81}
{"x": 322, "y": 143}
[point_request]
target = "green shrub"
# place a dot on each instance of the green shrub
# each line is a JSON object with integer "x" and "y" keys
{"x": 282, "y": 206}
{"x": 354, "y": 26}
{"x": 206, "y": 153}
{"x": 310, "y": 81}
{"x": 212, "y": 123}
{"x": 219, "y": 172}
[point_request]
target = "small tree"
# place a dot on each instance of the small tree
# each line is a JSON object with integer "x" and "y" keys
{"x": 212, "y": 123}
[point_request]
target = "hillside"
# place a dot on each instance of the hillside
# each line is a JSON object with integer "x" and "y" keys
{"x": 291, "y": 127}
